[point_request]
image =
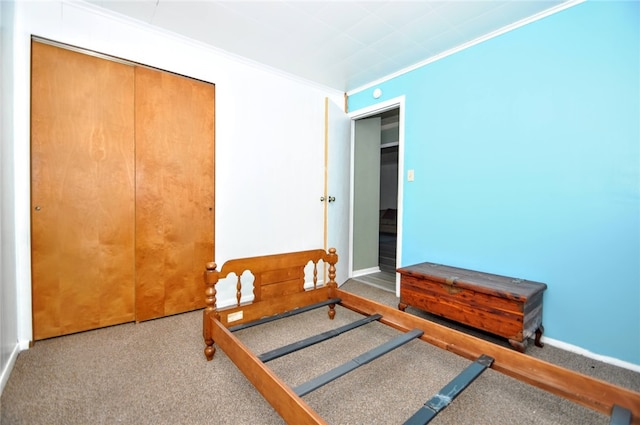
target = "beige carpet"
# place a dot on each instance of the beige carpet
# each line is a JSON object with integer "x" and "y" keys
{"x": 155, "y": 373}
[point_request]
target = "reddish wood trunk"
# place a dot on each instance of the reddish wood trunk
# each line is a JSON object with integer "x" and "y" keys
{"x": 504, "y": 306}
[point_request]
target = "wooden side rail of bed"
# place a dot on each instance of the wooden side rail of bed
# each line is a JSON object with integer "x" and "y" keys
{"x": 279, "y": 291}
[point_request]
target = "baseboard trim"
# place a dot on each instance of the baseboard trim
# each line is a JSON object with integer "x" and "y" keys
{"x": 363, "y": 272}
{"x": 586, "y": 353}
{"x": 6, "y": 372}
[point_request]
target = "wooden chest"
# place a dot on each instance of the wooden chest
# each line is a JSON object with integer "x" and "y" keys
{"x": 504, "y": 306}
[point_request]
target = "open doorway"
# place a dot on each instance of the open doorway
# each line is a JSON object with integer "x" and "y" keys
{"x": 388, "y": 226}
{"x": 376, "y": 198}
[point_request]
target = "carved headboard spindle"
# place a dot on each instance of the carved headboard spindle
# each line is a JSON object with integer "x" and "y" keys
{"x": 315, "y": 274}
{"x": 239, "y": 289}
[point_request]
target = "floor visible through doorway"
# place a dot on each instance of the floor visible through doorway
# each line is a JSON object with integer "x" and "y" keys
{"x": 382, "y": 280}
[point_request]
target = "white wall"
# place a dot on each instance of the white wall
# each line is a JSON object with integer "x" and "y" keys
{"x": 269, "y": 138}
{"x": 9, "y": 346}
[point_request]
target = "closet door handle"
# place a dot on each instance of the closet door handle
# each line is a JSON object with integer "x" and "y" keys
{"x": 332, "y": 198}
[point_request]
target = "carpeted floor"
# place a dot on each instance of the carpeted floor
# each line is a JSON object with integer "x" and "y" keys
{"x": 155, "y": 373}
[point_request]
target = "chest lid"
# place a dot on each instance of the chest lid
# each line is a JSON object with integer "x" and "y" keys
{"x": 492, "y": 284}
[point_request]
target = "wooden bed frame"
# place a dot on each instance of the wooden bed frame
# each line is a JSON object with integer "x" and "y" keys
{"x": 279, "y": 290}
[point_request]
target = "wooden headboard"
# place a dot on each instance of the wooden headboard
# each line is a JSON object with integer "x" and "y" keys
{"x": 275, "y": 276}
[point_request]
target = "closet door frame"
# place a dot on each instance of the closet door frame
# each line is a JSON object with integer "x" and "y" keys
{"x": 210, "y": 204}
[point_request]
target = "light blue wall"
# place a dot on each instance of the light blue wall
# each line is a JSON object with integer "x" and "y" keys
{"x": 526, "y": 151}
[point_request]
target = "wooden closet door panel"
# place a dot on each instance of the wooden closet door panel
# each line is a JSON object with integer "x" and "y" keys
{"x": 174, "y": 191}
{"x": 82, "y": 191}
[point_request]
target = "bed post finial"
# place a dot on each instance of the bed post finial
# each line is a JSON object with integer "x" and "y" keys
{"x": 332, "y": 259}
{"x": 211, "y": 277}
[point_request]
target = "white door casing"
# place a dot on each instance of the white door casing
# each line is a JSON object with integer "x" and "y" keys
{"x": 398, "y": 102}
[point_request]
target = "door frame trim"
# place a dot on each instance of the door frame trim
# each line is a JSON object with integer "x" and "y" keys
{"x": 396, "y": 102}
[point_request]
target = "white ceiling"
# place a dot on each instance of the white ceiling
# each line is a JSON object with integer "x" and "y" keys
{"x": 343, "y": 44}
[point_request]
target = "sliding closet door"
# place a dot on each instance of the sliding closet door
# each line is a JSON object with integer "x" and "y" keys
{"x": 174, "y": 191}
{"x": 82, "y": 191}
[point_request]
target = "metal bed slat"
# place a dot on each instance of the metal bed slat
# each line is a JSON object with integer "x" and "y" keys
{"x": 287, "y": 349}
{"x": 450, "y": 391}
{"x": 620, "y": 416}
{"x": 283, "y": 315}
{"x": 355, "y": 363}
